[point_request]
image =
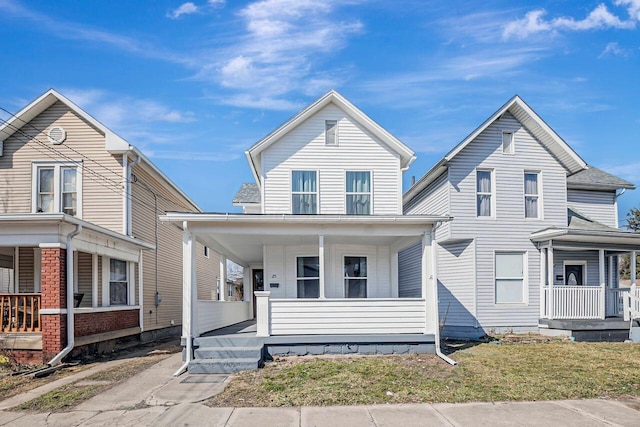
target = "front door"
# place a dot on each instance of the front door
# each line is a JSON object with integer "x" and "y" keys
{"x": 258, "y": 285}
{"x": 573, "y": 275}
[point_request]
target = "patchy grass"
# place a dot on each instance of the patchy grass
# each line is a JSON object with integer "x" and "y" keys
{"x": 13, "y": 385}
{"x": 69, "y": 396}
{"x": 485, "y": 372}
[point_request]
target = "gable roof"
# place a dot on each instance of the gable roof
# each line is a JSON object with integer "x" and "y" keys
{"x": 531, "y": 120}
{"x": 248, "y": 193}
{"x": 114, "y": 144}
{"x": 594, "y": 178}
{"x": 407, "y": 156}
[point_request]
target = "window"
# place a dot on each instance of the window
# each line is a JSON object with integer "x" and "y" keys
{"x": 509, "y": 276}
{"x": 56, "y": 188}
{"x": 531, "y": 195}
{"x": 308, "y": 276}
{"x": 118, "y": 282}
{"x": 507, "y": 143}
{"x": 304, "y": 193}
{"x": 484, "y": 186}
{"x": 358, "y": 191}
{"x": 206, "y": 252}
{"x": 355, "y": 276}
{"x": 331, "y": 132}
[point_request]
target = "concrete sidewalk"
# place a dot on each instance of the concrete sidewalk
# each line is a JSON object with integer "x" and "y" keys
{"x": 155, "y": 398}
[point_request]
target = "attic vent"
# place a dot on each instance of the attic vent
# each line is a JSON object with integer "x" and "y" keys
{"x": 57, "y": 135}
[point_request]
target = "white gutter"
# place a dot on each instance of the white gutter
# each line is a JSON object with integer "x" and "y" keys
{"x": 70, "y": 300}
{"x": 434, "y": 305}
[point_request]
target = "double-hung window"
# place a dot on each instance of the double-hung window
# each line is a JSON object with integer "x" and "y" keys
{"x": 118, "y": 282}
{"x": 355, "y": 276}
{"x": 484, "y": 193}
{"x": 304, "y": 193}
{"x": 509, "y": 277}
{"x": 358, "y": 193}
{"x": 531, "y": 195}
{"x": 308, "y": 276}
{"x": 56, "y": 188}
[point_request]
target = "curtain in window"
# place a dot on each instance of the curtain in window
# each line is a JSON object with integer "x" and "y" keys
{"x": 484, "y": 193}
{"x": 69, "y": 191}
{"x": 45, "y": 192}
{"x": 358, "y": 182}
{"x": 304, "y": 182}
{"x": 531, "y": 195}
{"x": 118, "y": 282}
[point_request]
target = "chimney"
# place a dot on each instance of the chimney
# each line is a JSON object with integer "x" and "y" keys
{"x": 413, "y": 180}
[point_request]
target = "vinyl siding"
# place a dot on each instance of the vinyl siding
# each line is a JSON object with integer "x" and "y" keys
{"x": 26, "y": 272}
{"x": 101, "y": 178}
{"x": 592, "y": 259}
{"x": 433, "y": 200}
{"x": 85, "y": 278}
{"x": 410, "y": 272}
{"x": 207, "y": 271}
{"x": 169, "y": 251}
{"x": 304, "y": 149}
{"x": 597, "y": 205}
{"x": 509, "y": 230}
{"x": 456, "y": 284}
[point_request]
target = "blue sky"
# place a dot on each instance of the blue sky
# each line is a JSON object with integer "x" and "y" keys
{"x": 194, "y": 84}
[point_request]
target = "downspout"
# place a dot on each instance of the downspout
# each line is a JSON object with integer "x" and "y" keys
{"x": 436, "y": 315}
{"x": 70, "y": 300}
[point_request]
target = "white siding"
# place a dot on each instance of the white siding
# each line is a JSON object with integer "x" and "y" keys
{"x": 304, "y": 148}
{"x": 218, "y": 314}
{"x": 410, "y": 272}
{"x": 509, "y": 230}
{"x": 433, "y": 200}
{"x": 596, "y": 205}
{"x": 591, "y": 257}
{"x": 457, "y": 284}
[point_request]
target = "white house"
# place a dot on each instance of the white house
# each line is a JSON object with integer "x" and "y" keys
{"x": 534, "y": 241}
{"x": 320, "y": 241}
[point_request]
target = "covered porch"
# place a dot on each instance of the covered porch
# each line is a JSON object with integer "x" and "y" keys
{"x": 326, "y": 276}
{"x": 580, "y": 275}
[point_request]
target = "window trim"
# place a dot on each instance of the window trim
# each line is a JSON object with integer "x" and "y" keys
{"x": 581, "y": 262}
{"x": 317, "y": 192}
{"x": 525, "y": 278}
{"x": 369, "y": 193}
{"x": 306, "y": 255}
{"x": 335, "y": 137}
{"x": 57, "y": 184}
{"x": 540, "y": 213}
{"x": 345, "y": 277}
{"x": 106, "y": 282}
{"x": 492, "y": 194}
{"x": 205, "y": 251}
{"x": 513, "y": 142}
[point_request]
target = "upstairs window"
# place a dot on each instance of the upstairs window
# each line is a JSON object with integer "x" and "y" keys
{"x": 304, "y": 193}
{"x": 358, "y": 193}
{"x": 507, "y": 142}
{"x": 56, "y": 188}
{"x": 484, "y": 192}
{"x": 531, "y": 195}
{"x": 331, "y": 132}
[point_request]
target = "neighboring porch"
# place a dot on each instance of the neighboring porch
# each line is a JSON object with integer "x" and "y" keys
{"x": 320, "y": 282}
{"x": 53, "y": 266}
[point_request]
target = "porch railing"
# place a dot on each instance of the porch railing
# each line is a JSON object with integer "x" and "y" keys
{"x": 574, "y": 302}
{"x": 615, "y": 303}
{"x": 631, "y": 301}
{"x": 20, "y": 312}
{"x": 342, "y": 316}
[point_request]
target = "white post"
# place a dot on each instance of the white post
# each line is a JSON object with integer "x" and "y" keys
{"x": 321, "y": 265}
{"x": 223, "y": 278}
{"x": 263, "y": 315}
{"x": 428, "y": 292}
{"x": 601, "y": 274}
{"x": 394, "y": 275}
{"x": 632, "y": 267}
{"x": 551, "y": 311}
{"x": 189, "y": 290}
{"x": 543, "y": 270}
{"x": 94, "y": 281}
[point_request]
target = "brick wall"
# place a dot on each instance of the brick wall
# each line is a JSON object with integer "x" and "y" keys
{"x": 53, "y": 285}
{"x": 27, "y": 357}
{"x": 98, "y": 323}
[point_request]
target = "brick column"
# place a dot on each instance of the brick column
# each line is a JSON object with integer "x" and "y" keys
{"x": 54, "y": 296}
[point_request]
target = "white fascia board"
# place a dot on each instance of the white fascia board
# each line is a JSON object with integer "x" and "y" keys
{"x": 254, "y": 164}
{"x": 302, "y": 219}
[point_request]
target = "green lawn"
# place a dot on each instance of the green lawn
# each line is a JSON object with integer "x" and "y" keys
{"x": 485, "y": 372}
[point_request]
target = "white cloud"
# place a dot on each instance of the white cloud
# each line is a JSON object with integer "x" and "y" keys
{"x": 184, "y": 9}
{"x": 216, "y": 3}
{"x": 598, "y": 19}
{"x": 280, "y": 51}
{"x": 614, "y": 49}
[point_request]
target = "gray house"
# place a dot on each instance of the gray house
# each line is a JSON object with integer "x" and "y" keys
{"x": 534, "y": 241}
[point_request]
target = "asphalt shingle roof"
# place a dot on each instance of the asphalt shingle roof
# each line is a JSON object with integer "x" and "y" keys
{"x": 248, "y": 193}
{"x": 594, "y": 177}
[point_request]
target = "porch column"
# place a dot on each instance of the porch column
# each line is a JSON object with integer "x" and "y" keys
{"x": 263, "y": 315}
{"x": 550, "y": 277}
{"x": 189, "y": 290}
{"x": 611, "y": 273}
{"x": 601, "y": 274}
{"x": 632, "y": 267}
{"x": 543, "y": 272}
{"x": 53, "y": 309}
{"x": 223, "y": 278}
{"x": 321, "y": 265}
{"x": 94, "y": 281}
{"x": 429, "y": 292}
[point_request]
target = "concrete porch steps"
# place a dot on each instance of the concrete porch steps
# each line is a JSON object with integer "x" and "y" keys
{"x": 224, "y": 366}
{"x": 226, "y": 354}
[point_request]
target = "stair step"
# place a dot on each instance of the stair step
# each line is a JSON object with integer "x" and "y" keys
{"x": 223, "y": 366}
{"x": 228, "y": 352}
{"x": 227, "y": 341}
